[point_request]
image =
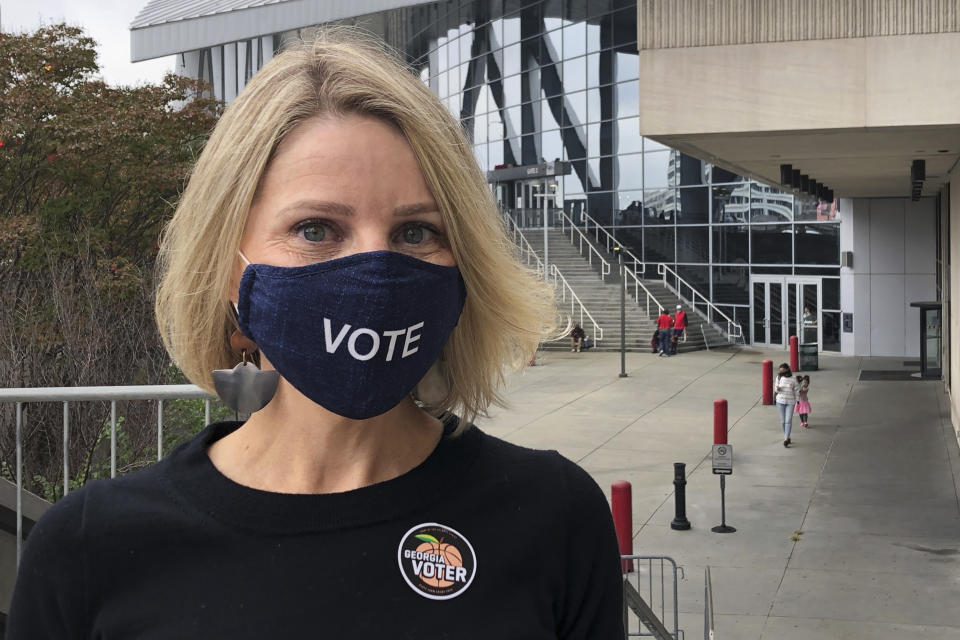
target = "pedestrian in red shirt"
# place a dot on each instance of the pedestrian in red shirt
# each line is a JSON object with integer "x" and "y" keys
{"x": 664, "y": 324}
{"x": 679, "y": 325}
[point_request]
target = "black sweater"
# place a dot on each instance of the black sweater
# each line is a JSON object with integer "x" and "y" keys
{"x": 482, "y": 540}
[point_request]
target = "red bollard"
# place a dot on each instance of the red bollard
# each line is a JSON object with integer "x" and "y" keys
{"x": 621, "y": 504}
{"x": 720, "y": 421}
{"x": 794, "y": 353}
{"x": 766, "y": 384}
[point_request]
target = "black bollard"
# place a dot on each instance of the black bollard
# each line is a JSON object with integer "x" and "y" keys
{"x": 680, "y": 522}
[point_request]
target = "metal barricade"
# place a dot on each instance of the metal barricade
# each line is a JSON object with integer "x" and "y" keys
{"x": 650, "y": 597}
{"x": 70, "y": 395}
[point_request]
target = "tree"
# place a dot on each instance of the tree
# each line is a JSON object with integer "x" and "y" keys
{"x": 89, "y": 174}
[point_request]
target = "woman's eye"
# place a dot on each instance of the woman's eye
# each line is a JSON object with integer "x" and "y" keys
{"x": 314, "y": 232}
{"x": 413, "y": 235}
{"x": 419, "y": 234}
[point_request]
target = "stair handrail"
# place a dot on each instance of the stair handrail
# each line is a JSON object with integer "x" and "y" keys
{"x": 637, "y": 286}
{"x": 638, "y": 265}
{"x": 586, "y": 219}
{"x": 604, "y": 265}
{"x": 734, "y": 330}
{"x": 575, "y": 300}
{"x": 523, "y": 244}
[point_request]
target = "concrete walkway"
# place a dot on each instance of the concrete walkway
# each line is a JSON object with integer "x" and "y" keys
{"x": 853, "y": 532}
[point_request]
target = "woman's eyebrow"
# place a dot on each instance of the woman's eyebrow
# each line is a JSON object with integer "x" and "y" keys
{"x": 345, "y": 210}
{"x": 415, "y": 209}
{"x": 319, "y": 206}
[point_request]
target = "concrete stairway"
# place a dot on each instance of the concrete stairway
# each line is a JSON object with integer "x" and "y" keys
{"x": 601, "y": 297}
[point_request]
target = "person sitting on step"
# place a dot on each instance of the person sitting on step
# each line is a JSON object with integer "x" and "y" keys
{"x": 576, "y": 338}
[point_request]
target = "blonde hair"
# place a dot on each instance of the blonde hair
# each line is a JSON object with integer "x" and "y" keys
{"x": 508, "y": 310}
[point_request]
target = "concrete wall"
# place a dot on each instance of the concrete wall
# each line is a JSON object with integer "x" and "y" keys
{"x": 894, "y": 263}
{"x": 693, "y": 23}
{"x": 889, "y": 81}
{"x": 953, "y": 292}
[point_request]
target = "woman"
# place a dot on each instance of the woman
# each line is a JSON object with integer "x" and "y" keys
{"x": 338, "y": 227}
{"x": 786, "y": 399}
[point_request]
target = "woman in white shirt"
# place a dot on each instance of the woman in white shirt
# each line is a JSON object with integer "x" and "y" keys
{"x": 786, "y": 397}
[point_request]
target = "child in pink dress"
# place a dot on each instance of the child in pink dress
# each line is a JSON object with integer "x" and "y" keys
{"x": 803, "y": 402}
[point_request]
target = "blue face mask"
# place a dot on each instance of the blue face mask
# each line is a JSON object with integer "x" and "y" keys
{"x": 354, "y": 334}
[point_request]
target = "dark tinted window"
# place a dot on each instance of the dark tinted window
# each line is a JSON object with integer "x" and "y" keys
{"x": 771, "y": 244}
{"x": 693, "y": 244}
{"x": 731, "y": 243}
{"x": 818, "y": 244}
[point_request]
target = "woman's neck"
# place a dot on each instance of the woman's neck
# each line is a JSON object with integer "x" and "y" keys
{"x": 296, "y": 446}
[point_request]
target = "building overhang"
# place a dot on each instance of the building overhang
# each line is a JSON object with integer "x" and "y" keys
{"x": 851, "y": 113}
{"x": 854, "y": 163}
{"x": 165, "y": 28}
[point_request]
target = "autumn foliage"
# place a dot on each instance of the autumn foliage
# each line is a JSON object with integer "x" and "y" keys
{"x": 89, "y": 173}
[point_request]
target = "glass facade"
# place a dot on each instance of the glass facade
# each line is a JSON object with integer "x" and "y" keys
{"x": 556, "y": 80}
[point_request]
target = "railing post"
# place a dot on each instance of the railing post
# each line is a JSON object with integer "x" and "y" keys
{"x": 66, "y": 448}
{"x": 113, "y": 438}
{"x": 19, "y": 447}
{"x": 708, "y": 628}
{"x": 159, "y": 430}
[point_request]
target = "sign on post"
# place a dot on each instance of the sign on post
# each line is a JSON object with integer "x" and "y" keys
{"x": 722, "y": 459}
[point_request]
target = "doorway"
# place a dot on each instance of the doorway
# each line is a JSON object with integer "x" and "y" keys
{"x": 522, "y": 201}
{"x": 784, "y": 306}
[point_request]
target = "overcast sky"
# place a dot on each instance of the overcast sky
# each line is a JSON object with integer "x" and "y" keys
{"x": 106, "y": 21}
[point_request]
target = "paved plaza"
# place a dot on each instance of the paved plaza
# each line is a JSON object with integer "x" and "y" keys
{"x": 853, "y": 532}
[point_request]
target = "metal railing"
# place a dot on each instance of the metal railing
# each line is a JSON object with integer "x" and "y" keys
{"x": 637, "y": 287}
{"x": 638, "y": 265}
{"x": 709, "y": 628}
{"x": 652, "y": 596}
{"x": 528, "y": 254}
{"x": 591, "y": 250}
{"x": 734, "y": 331}
{"x": 611, "y": 242}
{"x": 566, "y": 289}
{"x": 67, "y": 395}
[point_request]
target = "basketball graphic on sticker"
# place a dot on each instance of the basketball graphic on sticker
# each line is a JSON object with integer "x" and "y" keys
{"x": 436, "y": 561}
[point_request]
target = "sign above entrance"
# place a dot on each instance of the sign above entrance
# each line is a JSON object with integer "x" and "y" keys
{"x": 543, "y": 169}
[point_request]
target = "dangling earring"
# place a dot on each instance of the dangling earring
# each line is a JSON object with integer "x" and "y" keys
{"x": 245, "y": 388}
{"x": 433, "y": 388}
